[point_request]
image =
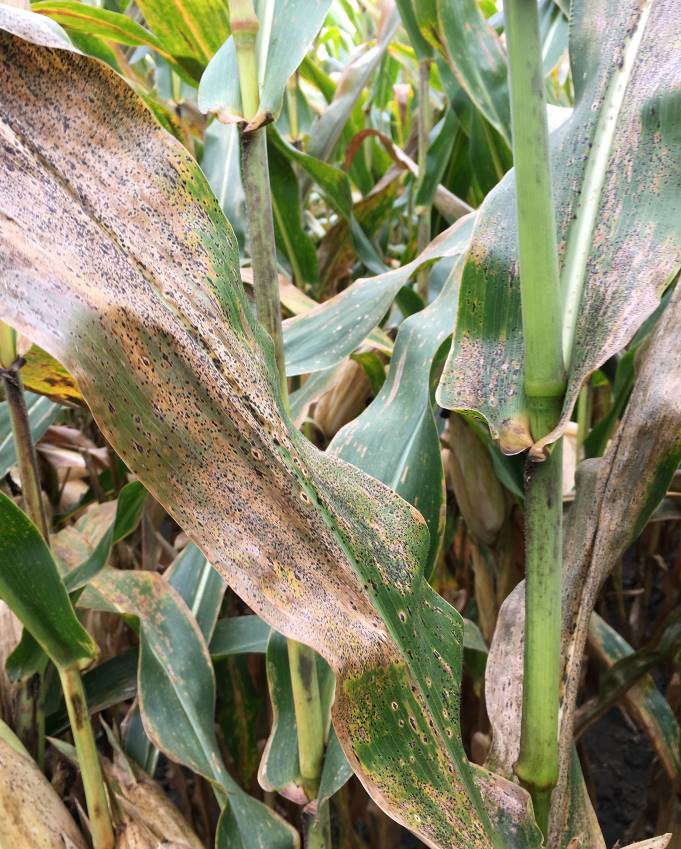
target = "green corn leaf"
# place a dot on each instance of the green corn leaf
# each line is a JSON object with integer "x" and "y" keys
{"x": 201, "y": 587}
{"x": 395, "y": 439}
{"x": 90, "y": 20}
{"x": 222, "y": 166}
{"x": 335, "y": 187}
{"x": 128, "y": 514}
{"x": 202, "y": 590}
{"x": 180, "y": 379}
{"x": 279, "y": 767}
{"x": 191, "y": 31}
{"x": 422, "y": 47}
{"x": 291, "y": 237}
{"x": 41, "y": 414}
{"x": 328, "y": 128}
{"x": 326, "y": 334}
{"x": 177, "y": 695}
{"x": 108, "y": 684}
{"x": 642, "y": 698}
{"x": 477, "y": 59}
{"x": 286, "y": 30}
{"x": 31, "y": 586}
{"x": 239, "y": 635}
{"x": 618, "y": 237}
{"x": 439, "y": 153}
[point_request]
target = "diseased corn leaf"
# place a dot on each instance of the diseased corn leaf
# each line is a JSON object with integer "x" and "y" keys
{"x": 41, "y": 414}
{"x": 32, "y": 587}
{"x": 326, "y": 334}
{"x": 617, "y": 169}
{"x": 189, "y": 30}
{"x": 477, "y": 59}
{"x": 616, "y": 495}
{"x": 643, "y": 699}
{"x": 286, "y": 30}
{"x": 395, "y": 439}
{"x": 180, "y": 378}
{"x": 43, "y": 375}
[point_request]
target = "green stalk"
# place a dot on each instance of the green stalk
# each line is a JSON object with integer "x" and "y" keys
{"x": 255, "y": 174}
{"x": 88, "y": 759}
{"x": 309, "y": 718}
{"x": 244, "y": 24}
{"x": 424, "y": 214}
{"x": 537, "y": 765}
{"x": 539, "y": 276}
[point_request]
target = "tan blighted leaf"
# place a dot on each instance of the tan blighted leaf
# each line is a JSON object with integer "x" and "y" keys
{"x": 134, "y": 285}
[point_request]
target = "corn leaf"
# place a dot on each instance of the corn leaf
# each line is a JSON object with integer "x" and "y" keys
{"x": 395, "y": 439}
{"x": 617, "y": 169}
{"x": 325, "y": 335}
{"x": 43, "y": 375}
{"x": 286, "y": 30}
{"x": 180, "y": 378}
{"x": 42, "y": 412}
{"x": 31, "y": 586}
{"x": 191, "y": 31}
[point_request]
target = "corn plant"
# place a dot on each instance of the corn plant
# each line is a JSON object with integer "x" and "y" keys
{"x": 446, "y": 318}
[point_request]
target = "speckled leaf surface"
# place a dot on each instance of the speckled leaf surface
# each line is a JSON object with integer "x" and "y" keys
{"x": 325, "y": 335}
{"x": 395, "y": 439}
{"x": 180, "y": 378}
{"x": 617, "y": 172}
{"x": 287, "y": 28}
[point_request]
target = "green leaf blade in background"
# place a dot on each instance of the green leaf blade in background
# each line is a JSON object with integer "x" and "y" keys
{"x": 478, "y": 61}
{"x": 176, "y": 689}
{"x": 395, "y": 439}
{"x": 32, "y": 587}
{"x": 91, "y": 20}
{"x": 286, "y": 30}
{"x": 41, "y": 414}
{"x": 621, "y": 235}
{"x": 326, "y": 334}
{"x": 189, "y": 30}
{"x": 325, "y": 554}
